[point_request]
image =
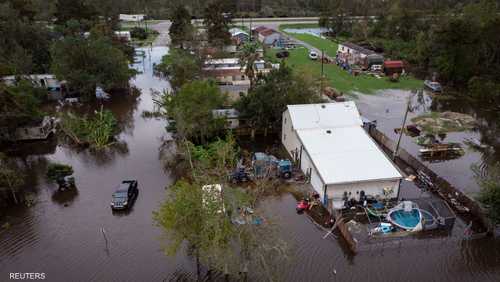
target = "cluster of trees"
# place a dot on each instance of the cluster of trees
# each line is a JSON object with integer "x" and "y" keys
{"x": 196, "y": 212}
{"x": 29, "y": 45}
{"x": 265, "y": 103}
{"x": 72, "y": 39}
{"x": 489, "y": 196}
{"x": 460, "y": 44}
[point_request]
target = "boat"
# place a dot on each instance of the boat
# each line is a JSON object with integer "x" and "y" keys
{"x": 433, "y": 85}
{"x": 407, "y": 216}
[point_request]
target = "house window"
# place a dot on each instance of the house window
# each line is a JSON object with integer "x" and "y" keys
{"x": 284, "y": 136}
{"x": 285, "y": 121}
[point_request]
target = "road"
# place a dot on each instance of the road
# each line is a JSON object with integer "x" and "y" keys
{"x": 163, "y": 38}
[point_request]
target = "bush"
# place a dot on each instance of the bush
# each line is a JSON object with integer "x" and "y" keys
{"x": 56, "y": 170}
{"x": 139, "y": 33}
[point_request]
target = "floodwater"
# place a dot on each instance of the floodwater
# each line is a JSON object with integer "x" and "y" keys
{"x": 388, "y": 109}
{"x": 75, "y": 236}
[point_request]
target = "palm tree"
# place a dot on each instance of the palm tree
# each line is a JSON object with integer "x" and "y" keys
{"x": 247, "y": 57}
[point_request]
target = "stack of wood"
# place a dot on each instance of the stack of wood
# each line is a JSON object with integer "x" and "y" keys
{"x": 334, "y": 94}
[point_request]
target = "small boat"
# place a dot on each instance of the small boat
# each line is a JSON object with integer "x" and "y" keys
{"x": 377, "y": 209}
{"x": 433, "y": 85}
{"x": 406, "y": 216}
{"x": 383, "y": 227}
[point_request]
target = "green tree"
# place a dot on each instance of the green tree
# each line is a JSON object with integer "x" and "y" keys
{"x": 196, "y": 213}
{"x": 24, "y": 44}
{"x": 97, "y": 131}
{"x": 19, "y": 105}
{"x": 248, "y": 56}
{"x": 191, "y": 107}
{"x": 490, "y": 191}
{"x": 87, "y": 63}
{"x": 80, "y": 10}
{"x": 217, "y": 22}
{"x": 181, "y": 29}
{"x": 264, "y": 105}
{"x": 11, "y": 179}
{"x": 180, "y": 67}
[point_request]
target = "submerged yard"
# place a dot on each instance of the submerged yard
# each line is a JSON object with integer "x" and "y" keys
{"x": 341, "y": 79}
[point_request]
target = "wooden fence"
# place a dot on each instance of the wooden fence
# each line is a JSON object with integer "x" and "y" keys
{"x": 453, "y": 196}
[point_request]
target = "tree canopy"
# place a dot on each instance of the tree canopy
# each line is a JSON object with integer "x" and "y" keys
{"x": 192, "y": 106}
{"x": 264, "y": 105}
{"x": 181, "y": 29}
{"x": 87, "y": 63}
{"x": 180, "y": 67}
{"x": 217, "y": 22}
{"x": 24, "y": 44}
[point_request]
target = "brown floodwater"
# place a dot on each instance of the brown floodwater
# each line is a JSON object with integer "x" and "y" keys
{"x": 61, "y": 235}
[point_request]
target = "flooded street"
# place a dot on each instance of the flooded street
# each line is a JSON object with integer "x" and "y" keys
{"x": 62, "y": 234}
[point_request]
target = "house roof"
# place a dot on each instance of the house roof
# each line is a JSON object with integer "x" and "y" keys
{"x": 236, "y": 31}
{"x": 393, "y": 64}
{"x": 327, "y": 115}
{"x": 267, "y": 32}
{"x": 346, "y": 155}
{"x": 260, "y": 28}
{"x": 357, "y": 48}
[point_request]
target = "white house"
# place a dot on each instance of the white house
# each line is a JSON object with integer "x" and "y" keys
{"x": 352, "y": 53}
{"x": 341, "y": 159}
{"x": 132, "y": 18}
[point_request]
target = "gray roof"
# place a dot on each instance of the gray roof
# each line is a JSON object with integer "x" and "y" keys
{"x": 358, "y": 48}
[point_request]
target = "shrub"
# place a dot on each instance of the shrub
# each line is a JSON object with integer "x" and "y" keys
{"x": 139, "y": 33}
{"x": 57, "y": 170}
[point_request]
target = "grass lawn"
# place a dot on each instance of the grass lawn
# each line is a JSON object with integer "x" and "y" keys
{"x": 299, "y": 25}
{"x": 129, "y": 25}
{"x": 341, "y": 79}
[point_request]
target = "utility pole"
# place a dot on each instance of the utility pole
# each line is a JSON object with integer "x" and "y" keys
{"x": 395, "y": 154}
{"x": 322, "y": 71}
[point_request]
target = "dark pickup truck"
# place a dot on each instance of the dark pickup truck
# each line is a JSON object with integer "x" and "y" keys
{"x": 125, "y": 195}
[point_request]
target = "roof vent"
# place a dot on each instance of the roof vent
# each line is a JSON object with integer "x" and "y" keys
{"x": 329, "y": 131}
{"x": 323, "y": 106}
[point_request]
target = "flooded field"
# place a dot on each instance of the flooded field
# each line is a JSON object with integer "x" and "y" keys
{"x": 61, "y": 235}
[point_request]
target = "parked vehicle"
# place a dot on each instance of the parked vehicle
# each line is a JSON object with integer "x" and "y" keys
{"x": 376, "y": 68}
{"x": 313, "y": 55}
{"x": 433, "y": 85}
{"x": 240, "y": 175}
{"x": 284, "y": 169}
{"x": 66, "y": 182}
{"x": 125, "y": 195}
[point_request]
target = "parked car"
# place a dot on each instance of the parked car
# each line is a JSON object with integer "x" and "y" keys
{"x": 433, "y": 85}
{"x": 313, "y": 55}
{"x": 125, "y": 195}
{"x": 282, "y": 54}
{"x": 240, "y": 175}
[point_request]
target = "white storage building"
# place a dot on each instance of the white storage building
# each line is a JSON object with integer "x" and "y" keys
{"x": 329, "y": 144}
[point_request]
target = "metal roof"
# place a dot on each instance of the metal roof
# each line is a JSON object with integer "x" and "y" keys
{"x": 346, "y": 155}
{"x": 327, "y": 115}
{"x": 357, "y": 48}
{"x": 340, "y": 149}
